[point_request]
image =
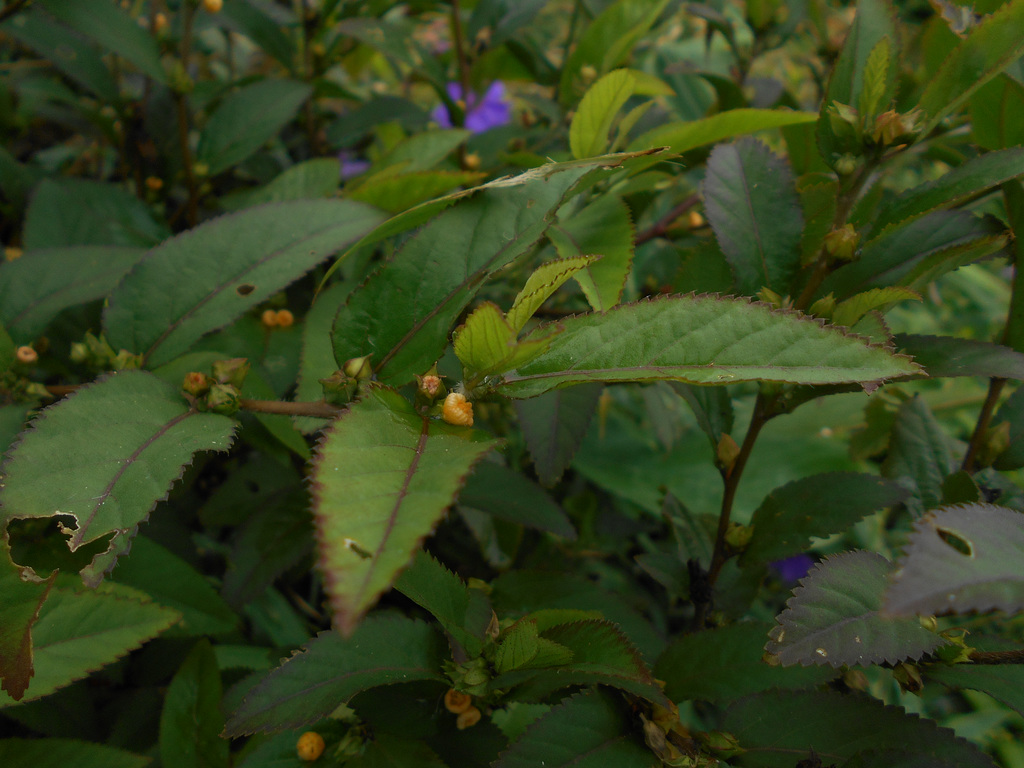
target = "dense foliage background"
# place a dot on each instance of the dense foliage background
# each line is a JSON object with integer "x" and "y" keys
{"x": 511, "y": 383}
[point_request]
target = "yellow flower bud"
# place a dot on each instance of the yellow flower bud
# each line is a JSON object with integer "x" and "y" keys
{"x": 457, "y": 410}
{"x": 457, "y": 702}
{"x": 154, "y": 183}
{"x": 468, "y": 718}
{"x": 160, "y": 24}
{"x": 28, "y": 355}
{"x": 268, "y": 318}
{"x": 285, "y": 319}
{"x": 310, "y": 746}
{"x": 213, "y": 6}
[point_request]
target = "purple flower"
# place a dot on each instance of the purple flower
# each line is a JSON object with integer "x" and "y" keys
{"x": 481, "y": 114}
{"x": 351, "y": 166}
{"x": 792, "y": 569}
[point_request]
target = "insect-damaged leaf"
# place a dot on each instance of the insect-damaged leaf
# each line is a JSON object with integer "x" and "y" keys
{"x": 122, "y": 441}
{"x": 20, "y": 602}
{"x": 833, "y": 617}
{"x": 960, "y": 559}
{"x": 383, "y": 477}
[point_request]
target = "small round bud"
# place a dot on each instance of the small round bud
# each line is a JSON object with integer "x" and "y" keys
{"x": 359, "y": 368}
{"x": 457, "y": 702}
{"x": 213, "y": 6}
{"x": 26, "y": 355}
{"x": 588, "y": 73}
{"x": 457, "y": 410}
{"x": 160, "y": 24}
{"x": 468, "y": 718}
{"x": 196, "y": 383}
{"x": 11, "y": 253}
{"x": 430, "y": 385}
{"x": 268, "y": 318}
{"x": 471, "y": 161}
{"x": 285, "y": 319}
{"x": 846, "y": 165}
{"x": 154, "y": 183}
{"x": 310, "y": 746}
{"x": 694, "y": 220}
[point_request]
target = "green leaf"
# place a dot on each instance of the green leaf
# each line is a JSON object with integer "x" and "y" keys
{"x": 203, "y": 279}
{"x": 753, "y": 207}
{"x": 834, "y": 618}
{"x": 961, "y": 559}
{"x": 191, "y": 720}
{"x": 681, "y": 136}
{"x": 949, "y": 356}
{"x": 331, "y": 669}
{"x": 79, "y": 632}
{"x": 317, "y": 359}
{"x": 993, "y": 108}
{"x": 588, "y": 132}
{"x": 486, "y": 344}
{"x": 850, "y": 311}
{"x": 422, "y": 151}
{"x": 59, "y": 753}
{"x": 438, "y": 271}
{"x": 247, "y": 119}
{"x": 734, "y": 654}
{"x": 879, "y": 79}
{"x": 545, "y": 280}
{"x": 114, "y": 467}
{"x": 1011, "y": 412}
{"x": 509, "y": 495}
{"x": 919, "y": 455}
{"x": 554, "y": 425}
{"x": 436, "y": 589}
{"x": 269, "y": 36}
{"x": 778, "y": 728}
{"x": 604, "y": 227}
{"x": 818, "y": 201}
{"x": 1004, "y": 682}
{"x": 815, "y": 506}
{"x": 960, "y": 184}
{"x": 588, "y": 730}
{"x": 20, "y": 603}
{"x": 114, "y": 30}
{"x": 701, "y": 340}
{"x": 308, "y": 180}
{"x": 383, "y": 477}
{"x": 711, "y": 406}
{"x": 399, "y": 192}
{"x": 174, "y": 583}
{"x": 989, "y": 49}
{"x": 37, "y": 287}
{"x": 519, "y": 645}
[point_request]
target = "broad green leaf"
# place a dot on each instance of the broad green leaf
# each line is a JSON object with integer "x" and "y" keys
{"x": 605, "y": 228}
{"x": 779, "y": 728}
{"x": 509, "y": 495}
{"x": 486, "y": 344}
{"x": 79, "y": 632}
{"x": 1011, "y": 412}
{"x": 850, "y": 311}
{"x": 961, "y": 559}
{"x": 519, "y": 645}
{"x": 989, "y": 48}
{"x": 123, "y": 441}
{"x": 711, "y": 406}
{"x": 553, "y": 427}
{"x": 753, "y": 207}
{"x": 317, "y": 361}
{"x": 438, "y": 271}
{"x": 436, "y": 589}
{"x": 246, "y": 120}
{"x": 270, "y": 36}
{"x": 919, "y": 455}
{"x": 960, "y": 184}
{"x": 42, "y": 283}
{"x": 388, "y": 750}
{"x": 203, "y": 279}
{"x": 383, "y": 477}
{"x": 588, "y": 730}
{"x": 701, "y": 340}
{"x": 192, "y": 719}
{"x": 815, "y": 506}
{"x": 74, "y": 212}
{"x": 60, "y": 753}
{"x": 331, "y": 669}
{"x": 681, "y": 136}
{"x": 588, "y": 132}
{"x": 395, "y": 193}
{"x": 734, "y": 653}
{"x": 879, "y": 79}
{"x": 172, "y": 582}
{"x": 422, "y": 151}
{"x": 994, "y": 108}
{"x": 544, "y": 281}
{"x": 834, "y": 618}
{"x": 8, "y": 355}
{"x": 818, "y": 201}
{"x": 1013, "y": 196}
{"x": 20, "y": 603}
{"x": 114, "y": 30}
{"x": 1004, "y": 682}
{"x": 308, "y": 180}
{"x": 950, "y": 356}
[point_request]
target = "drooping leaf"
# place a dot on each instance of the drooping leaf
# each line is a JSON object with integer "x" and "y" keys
{"x": 114, "y": 467}
{"x": 42, "y": 283}
{"x": 247, "y": 119}
{"x": 779, "y": 728}
{"x": 755, "y": 212}
{"x": 588, "y": 730}
{"x": 58, "y": 753}
{"x": 919, "y": 455}
{"x": 851, "y": 311}
{"x": 605, "y": 228}
{"x": 815, "y": 506}
{"x": 588, "y": 132}
{"x": 399, "y": 192}
{"x": 701, "y": 340}
{"x": 384, "y": 475}
{"x": 834, "y": 617}
{"x": 961, "y": 559}
{"x": 458, "y": 609}
{"x": 192, "y": 719}
{"x": 20, "y": 603}
{"x": 944, "y": 356}
{"x": 507, "y": 494}
{"x": 553, "y": 426}
{"x": 331, "y": 669}
{"x": 79, "y": 632}
{"x": 989, "y": 48}
{"x": 543, "y": 282}
{"x": 734, "y": 653}
{"x": 681, "y": 137}
{"x": 203, "y": 279}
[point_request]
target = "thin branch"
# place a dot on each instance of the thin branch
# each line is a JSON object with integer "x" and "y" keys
{"x": 662, "y": 225}
{"x": 13, "y": 8}
{"x": 998, "y": 657}
{"x": 318, "y": 408}
{"x": 995, "y": 388}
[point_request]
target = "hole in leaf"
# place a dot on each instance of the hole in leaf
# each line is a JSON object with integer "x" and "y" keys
{"x": 956, "y": 541}
{"x": 245, "y": 289}
{"x": 42, "y": 544}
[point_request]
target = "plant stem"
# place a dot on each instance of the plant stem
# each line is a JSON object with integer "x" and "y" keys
{"x": 460, "y": 56}
{"x": 181, "y": 105}
{"x": 998, "y": 657}
{"x": 13, "y": 8}
{"x": 661, "y": 226}
{"x": 307, "y": 74}
{"x": 995, "y": 388}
